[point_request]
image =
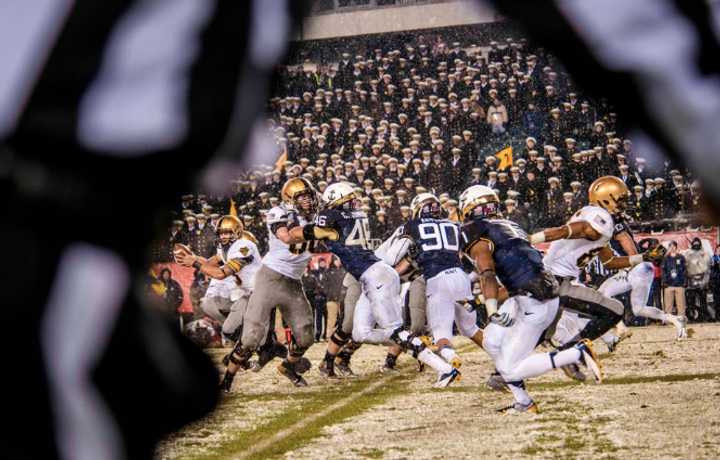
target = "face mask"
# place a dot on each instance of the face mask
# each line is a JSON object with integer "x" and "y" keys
{"x": 696, "y": 246}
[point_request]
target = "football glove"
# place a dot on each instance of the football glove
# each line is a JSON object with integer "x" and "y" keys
{"x": 655, "y": 253}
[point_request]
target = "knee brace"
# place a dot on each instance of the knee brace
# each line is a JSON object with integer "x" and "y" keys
{"x": 340, "y": 337}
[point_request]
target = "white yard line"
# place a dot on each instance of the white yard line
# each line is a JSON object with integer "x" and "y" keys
{"x": 287, "y": 432}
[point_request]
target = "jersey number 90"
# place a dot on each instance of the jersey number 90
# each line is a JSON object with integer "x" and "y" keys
{"x": 439, "y": 236}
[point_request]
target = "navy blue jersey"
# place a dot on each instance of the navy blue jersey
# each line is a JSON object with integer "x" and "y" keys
{"x": 621, "y": 227}
{"x": 436, "y": 242}
{"x": 352, "y": 247}
{"x": 517, "y": 263}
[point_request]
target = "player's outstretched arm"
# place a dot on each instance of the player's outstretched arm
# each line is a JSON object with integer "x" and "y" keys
{"x": 570, "y": 231}
{"x": 612, "y": 262}
{"x": 481, "y": 253}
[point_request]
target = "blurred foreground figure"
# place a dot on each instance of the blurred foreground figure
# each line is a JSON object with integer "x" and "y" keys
{"x": 97, "y": 99}
{"x": 654, "y": 60}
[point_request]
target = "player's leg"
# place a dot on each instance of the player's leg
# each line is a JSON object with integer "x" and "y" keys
{"x": 441, "y": 316}
{"x": 298, "y": 313}
{"x": 255, "y": 326}
{"x": 640, "y": 279}
{"x": 338, "y": 342}
{"x": 603, "y": 311}
{"x": 232, "y": 326}
{"x": 216, "y": 307}
{"x": 417, "y": 304}
{"x": 382, "y": 288}
{"x": 516, "y": 360}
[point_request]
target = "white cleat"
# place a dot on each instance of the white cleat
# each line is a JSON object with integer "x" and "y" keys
{"x": 518, "y": 408}
{"x": 590, "y": 359}
{"x": 446, "y": 379}
{"x": 680, "y": 323}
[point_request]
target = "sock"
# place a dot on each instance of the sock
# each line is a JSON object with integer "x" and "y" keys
{"x": 329, "y": 358}
{"x": 404, "y": 335}
{"x": 390, "y": 360}
{"x": 541, "y": 363}
{"x": 519, "y": 393}
{"x": 448, "y": 354}
{"x": 431, "y": 359}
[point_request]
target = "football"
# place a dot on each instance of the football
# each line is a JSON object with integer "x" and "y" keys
{"x": 180, "y": 249}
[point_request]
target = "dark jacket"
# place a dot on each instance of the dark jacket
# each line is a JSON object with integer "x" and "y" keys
{"x": 674, "y": 271}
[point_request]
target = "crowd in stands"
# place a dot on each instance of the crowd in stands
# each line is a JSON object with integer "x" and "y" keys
{"x": 427, "y": 114}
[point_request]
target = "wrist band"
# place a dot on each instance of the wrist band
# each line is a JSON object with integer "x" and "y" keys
{"x": 197, "y": 265}
{"x": 636, "y": 259}
{"x": 309, "y": 232}
{"x": 538, "y": 237}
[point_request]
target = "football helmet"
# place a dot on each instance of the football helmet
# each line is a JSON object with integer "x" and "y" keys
{"x": 479, "y": 196}
{"x": 339, "y": 194}
{"x": 229, "y": 229}
{"x": 426, "y": 205}
{"x": 294, "y": 192}
{"x": 609, "y": 193}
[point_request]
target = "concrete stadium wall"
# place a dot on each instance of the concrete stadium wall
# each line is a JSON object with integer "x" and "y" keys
{"x": 397, "y": 18}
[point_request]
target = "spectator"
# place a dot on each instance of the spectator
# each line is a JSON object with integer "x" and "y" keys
{"x": 173, "y": 292}
{"x": 698, "y": 275}
{"x": 674, "y": 281}
{"x": 715, "y": 280}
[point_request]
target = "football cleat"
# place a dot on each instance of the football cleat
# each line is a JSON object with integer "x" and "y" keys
{"x": 573, "y": 371}
{"x": 518, "y": 408}
{"x": 680, "y": 323}
{"x": 343, "y": 368}
{"x": 227, "y": 381}
{"x": 497, "y": 383}
{"x": 590, "y": 359}
{"x": 267, "y": 353}
{"x": 446, "y": 379}
{"x": 287, "y": 369}
{"x": 327, "y": 369}
{"x": 613, "y": 344}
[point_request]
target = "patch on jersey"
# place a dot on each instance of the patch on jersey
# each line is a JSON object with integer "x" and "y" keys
{"x": 244, "y": 251}
{"x": 600, "y": 220}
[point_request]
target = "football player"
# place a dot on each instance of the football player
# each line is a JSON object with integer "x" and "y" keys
{"x": 502, "y": 254}
{"x": 277, "y": 283}
{"x": 344, "y": 230}
{"x": 237, "y": 261}
{"x": 586, "y": 236}
{"x": 435, "y": 246}
{"x": 637, "y": 280}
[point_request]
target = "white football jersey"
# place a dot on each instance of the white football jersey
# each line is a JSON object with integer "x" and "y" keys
{"x": 242, "y": 249}
{"x": 567, "y": 257}
{"x": 393, "y": 249}
{"x": 288, "y": 260}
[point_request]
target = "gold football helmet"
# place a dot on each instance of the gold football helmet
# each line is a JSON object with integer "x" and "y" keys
{"x": 295, "y": 187}
{"x": 232, "y": 224}
{"x": 610, "y": 193}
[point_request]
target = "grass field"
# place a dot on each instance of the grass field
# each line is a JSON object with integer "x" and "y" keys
{"x": 661, "y": 399}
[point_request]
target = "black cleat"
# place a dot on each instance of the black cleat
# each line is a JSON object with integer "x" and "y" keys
{"x": 269, "y": 352}
{"x": 287, "y": 369}
{"x": 227, "y": 382}
{"x": 327, "y": 369}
